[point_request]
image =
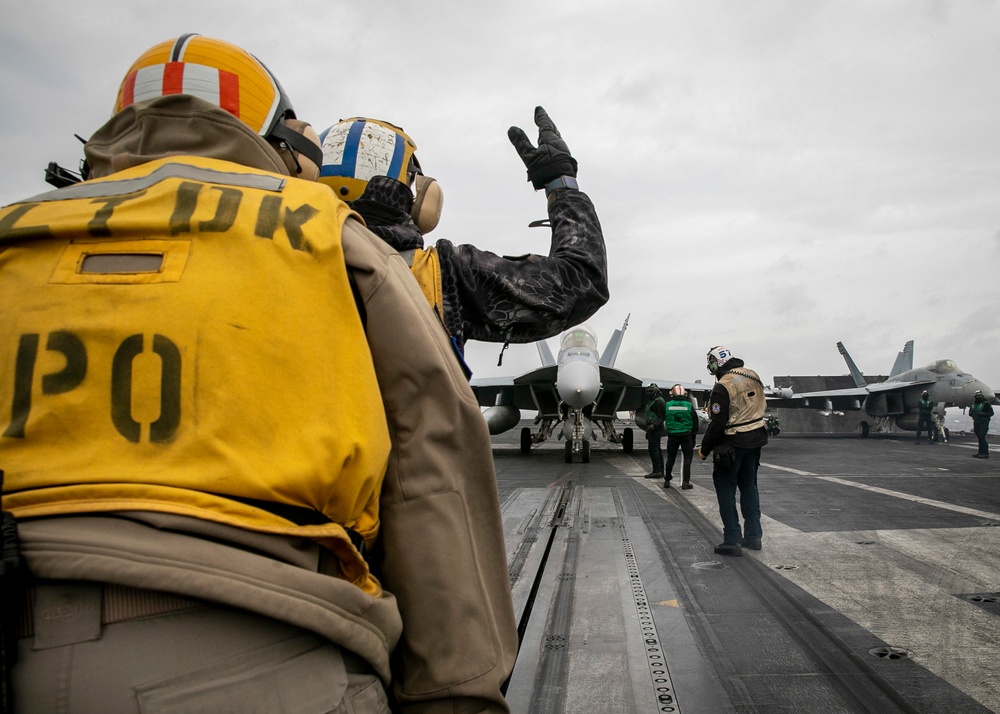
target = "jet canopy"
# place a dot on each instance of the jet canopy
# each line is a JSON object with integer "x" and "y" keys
{"x": 577, "y": 338}
{"x": 943, "y": 366}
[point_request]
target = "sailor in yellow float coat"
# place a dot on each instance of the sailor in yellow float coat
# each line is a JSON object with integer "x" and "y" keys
{"x": 188, "y": 344}
{"x": 225, "y": 392}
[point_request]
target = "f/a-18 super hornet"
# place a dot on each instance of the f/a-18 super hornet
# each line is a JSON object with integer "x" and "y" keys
{"x": 579, "y": 392}
{"x": 894, "y": 401}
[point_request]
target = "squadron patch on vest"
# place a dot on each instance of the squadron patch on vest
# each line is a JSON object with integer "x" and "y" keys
{"x": 716, "y": 408}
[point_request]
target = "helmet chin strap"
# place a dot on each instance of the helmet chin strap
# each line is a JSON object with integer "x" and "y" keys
{"x": 298, "y": 143}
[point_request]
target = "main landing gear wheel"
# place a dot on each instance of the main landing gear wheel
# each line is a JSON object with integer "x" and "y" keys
{"x": 525, "y": 440}
{"x": 864, "y": 430}
{"x": 627, "y": 440}
{"x": 585, "y": 454}
{"x": 569, "y": 452}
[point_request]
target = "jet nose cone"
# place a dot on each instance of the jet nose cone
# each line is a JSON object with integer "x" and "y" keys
{"x": 578, "y": 383}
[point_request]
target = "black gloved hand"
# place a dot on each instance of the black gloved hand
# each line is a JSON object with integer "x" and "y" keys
{"x": 551, "y": 159}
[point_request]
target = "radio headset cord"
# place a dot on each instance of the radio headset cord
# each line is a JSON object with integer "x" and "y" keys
{"x": 11, "y": 574}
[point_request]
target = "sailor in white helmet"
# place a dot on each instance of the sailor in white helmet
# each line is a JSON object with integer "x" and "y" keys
{"x": 734, "y": 437}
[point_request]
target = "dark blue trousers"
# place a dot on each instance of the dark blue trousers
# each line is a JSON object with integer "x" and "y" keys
{"x": 740, "y": 474}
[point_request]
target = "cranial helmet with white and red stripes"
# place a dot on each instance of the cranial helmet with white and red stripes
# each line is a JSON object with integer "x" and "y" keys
{"x": 220, "y": 73}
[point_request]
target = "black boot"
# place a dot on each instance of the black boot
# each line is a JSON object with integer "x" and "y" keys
{"x": 729, "y": 549}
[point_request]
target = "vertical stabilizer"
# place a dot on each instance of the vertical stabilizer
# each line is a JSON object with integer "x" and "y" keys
{"x": 856, "y": 375}
{"x": 610, "y": 353}
{"x": 545, "y": 354}
{"x": 904, "y": 360}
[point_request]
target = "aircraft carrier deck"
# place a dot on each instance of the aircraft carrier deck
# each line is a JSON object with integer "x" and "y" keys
{"x": 877, "y": 589}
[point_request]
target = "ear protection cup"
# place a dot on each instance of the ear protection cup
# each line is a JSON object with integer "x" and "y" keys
{"x": 427, "y": 203}
{"x": 299, "y": 149}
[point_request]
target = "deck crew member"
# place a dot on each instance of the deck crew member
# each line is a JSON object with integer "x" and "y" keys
{"x": 682, "y": 426}
{"x": 654, "y": 430}
{"x": 734, "y": 436}
{"x": 240, "y": 452}
{"x": 925, "y": 419}
{"x": 372, "y": 164}
{"x": 981, "y": 411}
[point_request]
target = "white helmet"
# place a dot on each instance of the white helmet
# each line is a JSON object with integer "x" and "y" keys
{"x": 718, "y": 356}
{"x": 677, "y": 390}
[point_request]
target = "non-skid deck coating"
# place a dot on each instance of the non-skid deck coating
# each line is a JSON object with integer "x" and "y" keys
{"x": 878, "y": 588}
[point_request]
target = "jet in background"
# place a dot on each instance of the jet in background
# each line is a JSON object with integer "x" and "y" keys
{"x": 580, "y": 392}
{"x": 895, "y": 400}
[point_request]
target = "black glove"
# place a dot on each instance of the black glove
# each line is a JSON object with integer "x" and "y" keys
{"x": 551, "y": 159}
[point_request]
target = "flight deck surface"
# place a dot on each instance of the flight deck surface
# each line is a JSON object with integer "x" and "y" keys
{"x": 877, "y": 588}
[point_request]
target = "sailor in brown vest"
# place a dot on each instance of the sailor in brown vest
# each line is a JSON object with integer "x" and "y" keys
{"x": 734, "y": 437}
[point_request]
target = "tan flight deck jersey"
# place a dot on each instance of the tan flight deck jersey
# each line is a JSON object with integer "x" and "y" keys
{"x": 747, "y": 403}
{"x": 220, "y": 396}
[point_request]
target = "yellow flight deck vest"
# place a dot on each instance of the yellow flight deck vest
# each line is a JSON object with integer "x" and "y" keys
{"x": 425, "y": 265}
{"x": 182, "y": 337}
{"x": 747, "y": 402}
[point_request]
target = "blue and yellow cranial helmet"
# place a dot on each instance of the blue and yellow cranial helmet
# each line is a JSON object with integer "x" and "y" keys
{"x": 355, "y": 150}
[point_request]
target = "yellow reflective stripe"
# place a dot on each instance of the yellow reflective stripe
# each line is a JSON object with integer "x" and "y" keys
{"x": 120, "y": 187}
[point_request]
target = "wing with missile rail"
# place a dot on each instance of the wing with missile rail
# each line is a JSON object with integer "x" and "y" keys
{"x": 842, "y": 400}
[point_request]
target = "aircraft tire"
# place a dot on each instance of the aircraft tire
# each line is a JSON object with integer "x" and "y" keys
{"x": 864, "y": 430}
{"x": 627, "y": 440}
{"x": 569, "y": 452}
{"x": 525, "y": 440}
{"x": 585, "y": 454}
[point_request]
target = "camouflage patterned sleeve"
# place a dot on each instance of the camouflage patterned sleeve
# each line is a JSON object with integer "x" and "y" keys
{"x": 522, "y": 299}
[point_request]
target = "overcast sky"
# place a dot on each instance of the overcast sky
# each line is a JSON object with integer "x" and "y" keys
{"x": 773, "y": 176}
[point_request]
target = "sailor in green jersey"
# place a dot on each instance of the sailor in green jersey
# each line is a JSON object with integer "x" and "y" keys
{"x": 981, "y": 411}
{"x": 682, "y": 426}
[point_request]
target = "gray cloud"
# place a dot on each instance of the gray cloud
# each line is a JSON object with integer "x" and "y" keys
{"x": 803, "y": 172}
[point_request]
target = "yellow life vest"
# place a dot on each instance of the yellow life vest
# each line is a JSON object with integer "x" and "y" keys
{"x": 182, "y": 337}
{"x": 747, "y": 402}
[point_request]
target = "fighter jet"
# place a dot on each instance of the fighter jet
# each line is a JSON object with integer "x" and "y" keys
{"x": 580, "y": 392}
{"x": 895, "y": 399}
